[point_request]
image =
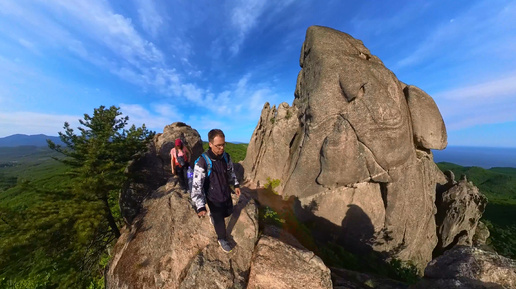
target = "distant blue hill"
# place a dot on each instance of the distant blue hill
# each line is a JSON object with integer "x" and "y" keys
{"x": 484, "y": 157}
{"x": 39, "y": 140}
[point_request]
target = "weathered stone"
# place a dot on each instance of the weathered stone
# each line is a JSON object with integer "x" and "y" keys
{"x": 481, "y": 234}
{"x": 353, "y": 150}
{"x": 152, "y": 170}
{"x": 347, "y": 279}
{"x": 270, "y": 144}
{"x": 460, "y": 208}
{"x": 278, "y": 265}
{"x": 165, "y": 141}
{"x": 168, "y": 246}
{"x": 469, "y": 267}
{"x": 427, "y": 122}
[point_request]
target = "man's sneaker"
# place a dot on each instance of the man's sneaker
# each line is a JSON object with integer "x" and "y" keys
{"x": 224, "y": 245}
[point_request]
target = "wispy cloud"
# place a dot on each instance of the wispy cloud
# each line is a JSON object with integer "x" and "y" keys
{"x": 485, "y": 103}
{"x": 34, "y": 123}
{"x": 468, "y": 34}
{"x": 150, "y": 18}
{"x": 495, "y": 90}
{"x": 161, "y": 115}
{"x": 244, "y": 17}
{"x": 246, "y": 14}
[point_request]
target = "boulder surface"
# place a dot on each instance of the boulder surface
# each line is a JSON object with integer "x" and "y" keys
{"x": 357, "y": 150}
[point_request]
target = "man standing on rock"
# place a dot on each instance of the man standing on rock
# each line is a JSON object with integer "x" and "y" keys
{"x": 213, "y": 173}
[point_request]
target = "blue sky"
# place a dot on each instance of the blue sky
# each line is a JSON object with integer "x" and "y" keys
{"x": 215, "y": 63}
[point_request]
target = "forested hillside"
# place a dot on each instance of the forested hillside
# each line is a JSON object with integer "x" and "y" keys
{"x": 47, "y": 233}
{"x": 58, "y": 219}
{"x": 499, "y": 185}
{"x": 46, "y": 236}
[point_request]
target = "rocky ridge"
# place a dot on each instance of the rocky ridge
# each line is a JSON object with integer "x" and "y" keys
{"x": 361, "y": 168}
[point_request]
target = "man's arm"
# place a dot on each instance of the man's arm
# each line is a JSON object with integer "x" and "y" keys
{"x": 197, "y": 194}
{"x": 232, "y": 176}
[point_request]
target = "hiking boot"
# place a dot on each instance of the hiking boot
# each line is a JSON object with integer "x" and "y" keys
{"x": 226, "y": 247}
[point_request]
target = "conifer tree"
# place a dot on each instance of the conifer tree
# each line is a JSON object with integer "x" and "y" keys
{"x": 99, "y": 155}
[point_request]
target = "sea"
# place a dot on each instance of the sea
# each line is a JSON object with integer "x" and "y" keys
{"x": 484, "y": 157}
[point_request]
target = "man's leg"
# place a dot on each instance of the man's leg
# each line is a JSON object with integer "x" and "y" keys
{"x": 181, "y": 174}
{"x": 219, "y": 224}
{"x": 218, "y": 212}
{"x": 185, "y": 177}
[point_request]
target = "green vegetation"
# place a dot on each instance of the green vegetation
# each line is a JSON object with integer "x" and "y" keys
{"x": 60, "y": 217}
{"x": 332, "y": 254}
{"x": 499, "y": 186}
{"x": 236, "y": 151}
{"x": 55, "y": 227}
{"x": 272, "y": 185}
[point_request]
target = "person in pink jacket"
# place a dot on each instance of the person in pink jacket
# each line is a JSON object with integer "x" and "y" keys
{"x": 180, "y": 160}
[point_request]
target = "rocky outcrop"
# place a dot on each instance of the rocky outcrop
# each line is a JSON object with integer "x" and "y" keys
{"x": 357, "y": 151}
{"x": 347, "y": 279}
{"x": 269, "y": 146}
{"x": 469, "y": 268}
{"x": 428, "y": 133}
{"x": 165, "y": 141}
{"x": 168, "y": 246}
{"x": 292, "y": 267}
{"x": 152, "y": 170}
{"x": 459, "y": 211}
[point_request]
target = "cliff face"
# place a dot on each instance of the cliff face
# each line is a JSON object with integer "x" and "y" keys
{"x": 355, "y": 148}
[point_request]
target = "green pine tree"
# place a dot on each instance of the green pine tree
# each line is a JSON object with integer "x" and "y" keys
{"x": 99, "y": 156}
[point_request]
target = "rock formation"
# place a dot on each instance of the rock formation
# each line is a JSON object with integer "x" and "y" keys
{"x": 353, "y": 154}
{"x": 167, "y": 246}
{"x": 469, "y": 268}
{"x": 356, "y": 143}
{"x": 459, "y": 209}
{"x": 152, "y": 170}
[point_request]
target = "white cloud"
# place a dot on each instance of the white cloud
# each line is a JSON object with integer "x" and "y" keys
{"x": 193, "y": 93}
{"x": 34, "y": 123}
{"x": 481, "y": 116}
{"x": 490, "y": 91}
{"x": 243, "y": 18}
{"x": 477, "y": 104}
{"x": 473, "y": 33}
{"x": 149, "y": 16}
{"x": 29, "y": 45}
{"x": 163, "y": 114}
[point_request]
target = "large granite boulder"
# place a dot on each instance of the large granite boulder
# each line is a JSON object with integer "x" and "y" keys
{"x": 292, "y": 267}
{"x": 168, "y": 246}
{"x": 358, "y": 150}
{"x": 459, "y": 210}
{"x": 165, "y": 141}
{"x": 270, "y": 143}
{"x": 152, "y": 169}
{"x": 465, "y": 267}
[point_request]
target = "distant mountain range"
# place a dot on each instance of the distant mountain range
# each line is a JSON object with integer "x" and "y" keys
{"x": 39, "y": 140}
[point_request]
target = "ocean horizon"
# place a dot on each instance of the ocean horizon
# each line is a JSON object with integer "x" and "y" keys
{"x": 484, "y": 157}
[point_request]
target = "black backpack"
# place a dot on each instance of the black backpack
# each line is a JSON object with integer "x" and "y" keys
{"x": 180, "y": 159}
